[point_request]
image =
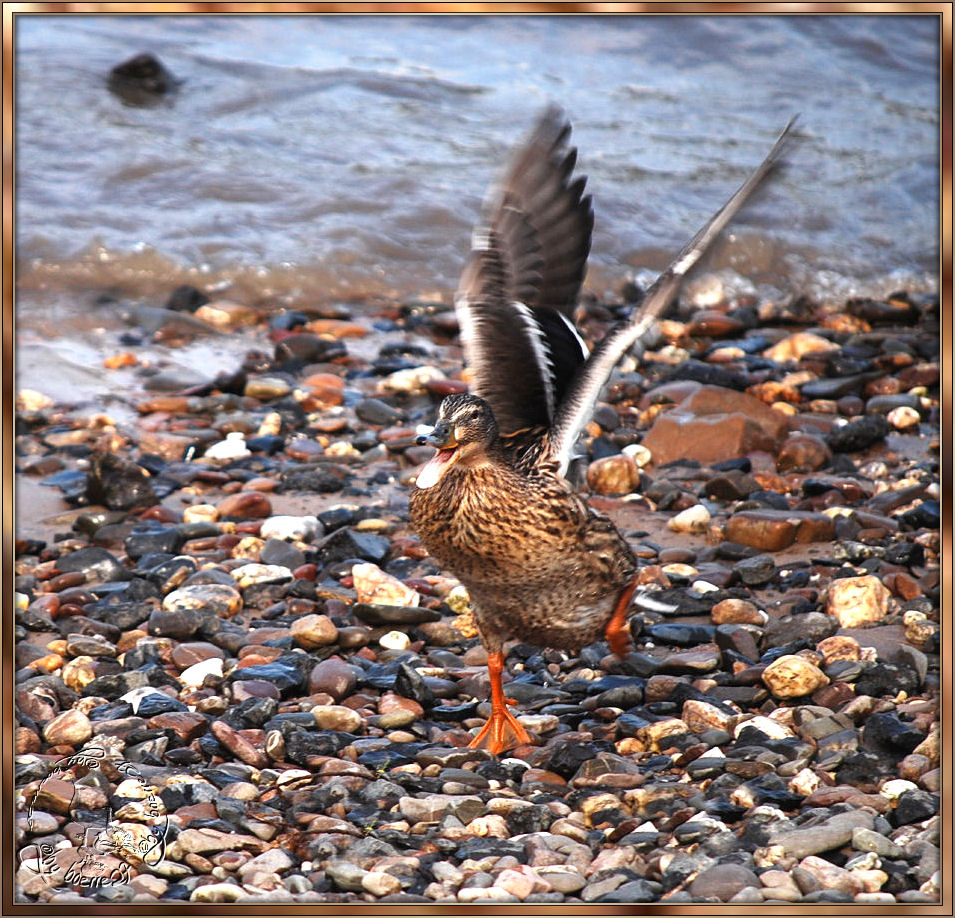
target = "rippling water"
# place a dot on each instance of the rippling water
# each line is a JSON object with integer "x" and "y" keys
{"x": 347, "y": 155}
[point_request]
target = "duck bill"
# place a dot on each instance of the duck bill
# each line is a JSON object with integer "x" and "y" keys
{"x": 440, "y": 463}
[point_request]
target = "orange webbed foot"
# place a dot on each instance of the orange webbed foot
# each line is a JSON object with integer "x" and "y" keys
{"x": 502, "y": 731}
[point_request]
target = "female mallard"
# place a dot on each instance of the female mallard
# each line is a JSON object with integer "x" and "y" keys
{"x": 494, "y": 506}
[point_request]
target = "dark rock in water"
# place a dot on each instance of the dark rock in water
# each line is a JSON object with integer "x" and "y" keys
{"x": 186, "y": 298}
{"x": 141, "y": 80}
{"x": 858, "y": 434}
{"x": 347, "y": 543}
{"x": 97, "y": 563}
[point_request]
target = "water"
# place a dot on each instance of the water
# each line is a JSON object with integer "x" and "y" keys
{"x": 329, "y": 157}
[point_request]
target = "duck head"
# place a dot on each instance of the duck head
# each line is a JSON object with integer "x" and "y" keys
{"x": 464, "y": 430}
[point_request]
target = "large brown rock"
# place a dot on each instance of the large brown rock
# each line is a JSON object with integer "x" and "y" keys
{"x": 774, "y": 530}
{"x": 715, "y": 424}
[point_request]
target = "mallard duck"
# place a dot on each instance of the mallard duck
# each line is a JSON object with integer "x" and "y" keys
{"x": 494, "y": 505}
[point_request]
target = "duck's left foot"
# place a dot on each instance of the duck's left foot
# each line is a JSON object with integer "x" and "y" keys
{"x": 502, "y": 730}
{"x": 618, "y": 628}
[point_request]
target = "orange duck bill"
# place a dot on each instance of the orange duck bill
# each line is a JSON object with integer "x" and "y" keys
{"x": 440, "y": 463}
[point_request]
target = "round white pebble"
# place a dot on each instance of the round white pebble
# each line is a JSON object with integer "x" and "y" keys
{"x": 394, "y": 640}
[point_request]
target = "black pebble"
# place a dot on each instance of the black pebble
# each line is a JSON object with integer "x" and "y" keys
{"x": 914, "y": 806}
{"x": 141, "y": 80}
{"x": 858, "y": 434}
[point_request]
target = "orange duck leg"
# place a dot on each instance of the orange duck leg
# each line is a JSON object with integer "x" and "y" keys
{"x": 618, "y": 628}
{"x": 502, "y": 731}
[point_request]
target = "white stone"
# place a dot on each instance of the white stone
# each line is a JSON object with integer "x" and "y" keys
{"x": 693, "y": 519}
{"x": 857, "y": 601}
{"x": 413, "y": 379}
{"x": 394, "y": 640}
{"x": 193, "y": 676}
{"x": 372, "y": 584}
{"x": 290, "y": 528}
{"x": 641, "y": 456}
{"x": 31, "y": 400}
{"x": 200, "y": 513}
{"x": 895, "y": 788}
{"x": 254, "y": 572}
{"x": 772, "y": 728}
{"x": 903, "y": 418}
{"x": 232, "y": 447}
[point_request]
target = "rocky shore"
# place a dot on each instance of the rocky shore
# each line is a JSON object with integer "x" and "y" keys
{"x": 239, "y": 678}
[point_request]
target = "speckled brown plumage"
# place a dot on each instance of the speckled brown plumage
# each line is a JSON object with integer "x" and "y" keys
{"x": 539, "y": 563}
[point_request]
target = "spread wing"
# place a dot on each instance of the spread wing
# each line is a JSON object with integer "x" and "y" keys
{"x": 517, "y": 293}
{"x": 575, "y": 410}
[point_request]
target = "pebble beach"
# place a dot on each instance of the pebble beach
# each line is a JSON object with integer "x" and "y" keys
{"x": 239, "y": 677}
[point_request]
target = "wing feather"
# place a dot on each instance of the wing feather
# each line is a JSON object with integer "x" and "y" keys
{"x": 576, "y": 408}
{"x": 526, "y": 266}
